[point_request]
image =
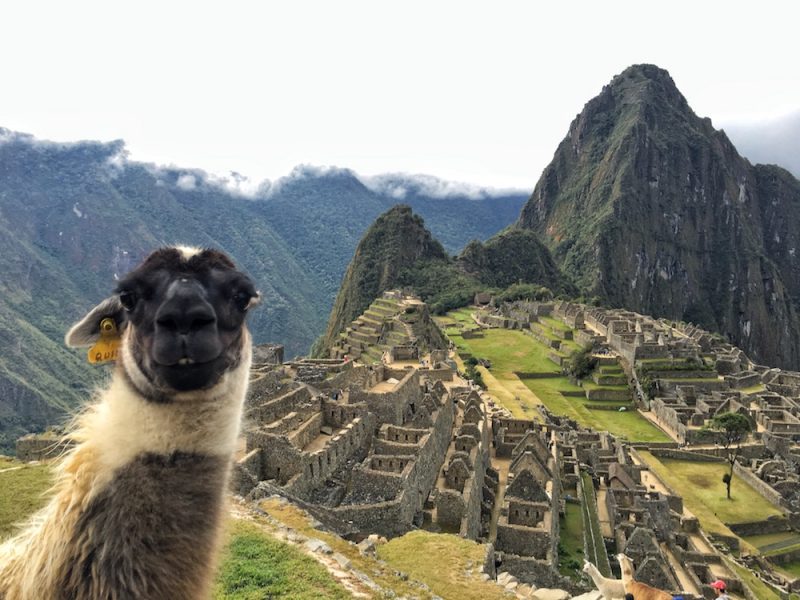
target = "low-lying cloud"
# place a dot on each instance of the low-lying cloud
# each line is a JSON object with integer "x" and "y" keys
{"x": 775, "y": 141}
{"x": 400, "y": 185}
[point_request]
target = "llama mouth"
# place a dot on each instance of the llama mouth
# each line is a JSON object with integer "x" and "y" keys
{"x": 185, "y": 361}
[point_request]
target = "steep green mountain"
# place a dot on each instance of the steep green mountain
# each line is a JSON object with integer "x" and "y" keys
{"x": 75, "y": 216}
{"x": 647, "y": 206}
{"x": 513, "y": 256}
{"x": 322, "y": 213}
{"x": 397, "y": 251}
{"x": 396, "y": 243}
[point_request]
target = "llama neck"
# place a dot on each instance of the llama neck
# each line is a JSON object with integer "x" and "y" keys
{"x": 156, "y": 472}
{"x": 594, "y": 573}
{"x": 123, "y": 425}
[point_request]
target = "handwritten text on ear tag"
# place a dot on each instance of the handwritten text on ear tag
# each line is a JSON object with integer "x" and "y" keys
{"x": 107, "y": 347}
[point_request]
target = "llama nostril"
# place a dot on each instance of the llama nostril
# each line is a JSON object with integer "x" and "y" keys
{"x": 201, "y": 322}
{"x": 168, "y": 323}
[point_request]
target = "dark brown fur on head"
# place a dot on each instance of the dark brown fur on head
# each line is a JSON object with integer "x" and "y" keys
{"x": 184, "y": 310}
{"x": 186, "y": 316}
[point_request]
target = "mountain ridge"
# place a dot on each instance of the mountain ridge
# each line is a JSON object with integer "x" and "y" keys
{"x": 649, "y": 207}
{"x": 75, "y": 216}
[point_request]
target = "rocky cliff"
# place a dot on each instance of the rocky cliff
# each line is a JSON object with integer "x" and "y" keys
{"x": 649, "y": 207}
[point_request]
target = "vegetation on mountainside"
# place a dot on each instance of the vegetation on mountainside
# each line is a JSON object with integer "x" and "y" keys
{"x": 398, "y": 251}
{"x": 635, "y": 211}
{"x": 75, "y": 216}
{"x": 524, "y": 291}
{"x": 511, "y": 257}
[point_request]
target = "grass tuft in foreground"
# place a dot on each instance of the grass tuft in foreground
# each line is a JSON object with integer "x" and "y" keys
{"x": 255, "y": 566}
{"x": 446, "y": 575}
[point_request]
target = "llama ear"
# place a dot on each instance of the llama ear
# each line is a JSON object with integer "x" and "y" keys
{"x": 87, "y": 331}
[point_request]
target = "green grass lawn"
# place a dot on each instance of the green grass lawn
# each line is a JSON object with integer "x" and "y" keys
{"x": 629, "y": 424}
{"x": 783, "y": 538}
{"x": 512, "y": 351}
{"x": 22, "y": 492}
{"x": 570, "y": 558}
{"x": 754, "y": 389}
{"x": 255, "y": 565}
{"x": 703, "y": 493}
{"x": 591, "y": 522}
{"x": 555, "y": 324}
{"x": 792, "y": 568}
{"x": 446, "y": 574}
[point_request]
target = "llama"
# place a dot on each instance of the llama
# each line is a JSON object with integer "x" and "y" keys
{"x": 640, "y": 591}
{"x": 611, "y": 589}
{"x": 139, "y": 500}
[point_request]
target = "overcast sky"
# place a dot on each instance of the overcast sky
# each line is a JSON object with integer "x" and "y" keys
{"x": 478, "y": 92}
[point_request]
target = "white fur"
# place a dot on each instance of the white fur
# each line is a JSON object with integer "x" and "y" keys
{"x": 112, "y": 432}
{"x": 188, "y": 252}
{"x": 124, "y": 425}
{"x": 612, "y": 589}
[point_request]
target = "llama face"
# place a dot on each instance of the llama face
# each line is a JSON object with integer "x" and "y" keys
{"x": 184, "y": 313}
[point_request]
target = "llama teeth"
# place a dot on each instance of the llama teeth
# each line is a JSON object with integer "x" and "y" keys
{"x": 185, "y": 361}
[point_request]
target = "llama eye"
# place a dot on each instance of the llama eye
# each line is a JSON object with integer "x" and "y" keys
{"x": 242, "y": 299}
{"x": 128, "y": 299}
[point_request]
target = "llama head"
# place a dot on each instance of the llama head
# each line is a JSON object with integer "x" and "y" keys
{"x": 182, "y": 313}
{"x": 587, "y": 566}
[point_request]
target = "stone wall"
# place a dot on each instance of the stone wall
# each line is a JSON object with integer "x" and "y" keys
{"x": 391, "y": 517}
{"x": 762, "y": 487}
{"x": 390, "y": 406}
{"x": 524, "y": 541}
{"x": 767, "y": 526}
{"x": 246, "y": 472}
{"x": 537, "y": 572}
{"x": 36, "y": 446}
{"x": 686, "y": 455}
{"x": 307, "y": 432}
{"x": 274, "y": 409}
{"x": 349, "y": 375}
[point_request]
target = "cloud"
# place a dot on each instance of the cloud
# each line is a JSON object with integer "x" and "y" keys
{"x": 773, "y": 141}
{"x": 400, "y": 185}
{"x": 300, "y": 172}
{"x": 186, "y": 182}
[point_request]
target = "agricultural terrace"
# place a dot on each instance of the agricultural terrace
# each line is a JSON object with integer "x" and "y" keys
{"x": 522, "y": 375}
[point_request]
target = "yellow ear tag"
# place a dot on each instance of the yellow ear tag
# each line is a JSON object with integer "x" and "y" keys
{"x": 107, "y": 347}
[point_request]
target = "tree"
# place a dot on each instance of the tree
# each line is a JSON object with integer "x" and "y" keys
{"x": 731, "y": 430}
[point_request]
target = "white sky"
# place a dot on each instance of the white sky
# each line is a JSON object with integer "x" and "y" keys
{"x": 480, "y": 92}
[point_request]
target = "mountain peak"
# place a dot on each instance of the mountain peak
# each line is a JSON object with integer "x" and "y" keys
{"x": 647, "y": 206}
